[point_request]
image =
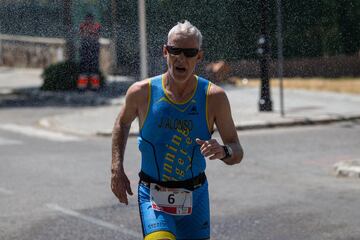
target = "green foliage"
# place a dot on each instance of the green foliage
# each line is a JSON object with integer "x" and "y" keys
{"x": 315, "y": 28}
{"x": 60, "y": 76}
{"x": 230, "y": 28}
{"x": 63, "y": 76}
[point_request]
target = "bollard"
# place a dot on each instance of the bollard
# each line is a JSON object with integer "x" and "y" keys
{"x": 82, "y": 82}
{"x": 95, "y": 81}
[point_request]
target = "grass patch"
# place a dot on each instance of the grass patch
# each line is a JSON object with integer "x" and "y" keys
{"x": 341, "y": 85}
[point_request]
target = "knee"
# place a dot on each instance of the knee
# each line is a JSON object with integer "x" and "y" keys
{"x": 160, "y": 235}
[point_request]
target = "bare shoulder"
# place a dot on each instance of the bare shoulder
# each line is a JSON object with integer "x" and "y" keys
{"x": 218, "y": 102}
{"x": 216, "y": 95}
{"x": 138, "y": 91}
{"x": 139, "y": 88}
{"x": 218, "y": 105}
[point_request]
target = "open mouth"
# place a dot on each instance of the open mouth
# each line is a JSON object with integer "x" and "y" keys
{"x": 180, "y": 69}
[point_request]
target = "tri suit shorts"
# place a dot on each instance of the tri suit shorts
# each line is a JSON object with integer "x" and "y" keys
{"x": 188, "y": 227}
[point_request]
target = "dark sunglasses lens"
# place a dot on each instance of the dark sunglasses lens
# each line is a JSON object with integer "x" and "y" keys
{"x": 174, "y": 51}
{"x": 190, "y": 52}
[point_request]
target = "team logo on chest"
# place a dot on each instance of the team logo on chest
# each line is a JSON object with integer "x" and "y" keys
{"x": 193, "y": 110}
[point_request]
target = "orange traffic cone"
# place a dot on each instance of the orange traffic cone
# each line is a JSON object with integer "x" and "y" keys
{"x": 95, "y": 81}
{"x": 82, "y": 82}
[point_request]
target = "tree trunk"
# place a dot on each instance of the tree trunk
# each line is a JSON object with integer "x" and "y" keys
{"x": 114, "y": 36}
{"x": 68, "y": 31}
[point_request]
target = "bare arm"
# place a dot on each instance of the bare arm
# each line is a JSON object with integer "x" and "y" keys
{"x": 120, "y": 135}
{"x": 220, "y": 114}
{"x": 120, "y": 183}
{"x": 225, "y": 124}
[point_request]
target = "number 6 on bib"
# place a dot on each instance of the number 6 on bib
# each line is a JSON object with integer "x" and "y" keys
{"x": 174, "y": 201}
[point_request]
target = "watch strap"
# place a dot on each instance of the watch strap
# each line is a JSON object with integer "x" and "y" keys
{"x": 227, "y": 152}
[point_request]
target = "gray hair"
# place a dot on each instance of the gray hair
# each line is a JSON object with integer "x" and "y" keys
{"x": 187, "y": 29}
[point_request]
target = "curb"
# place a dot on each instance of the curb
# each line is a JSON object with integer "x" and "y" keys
{"x": 294, "y": 123}
{"x": 268, "y": 125}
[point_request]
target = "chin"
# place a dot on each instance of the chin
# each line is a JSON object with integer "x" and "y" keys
{"x": 181, "y": 76}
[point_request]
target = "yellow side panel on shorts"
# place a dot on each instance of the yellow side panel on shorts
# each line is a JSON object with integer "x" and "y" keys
{"x": 160, "y": 235}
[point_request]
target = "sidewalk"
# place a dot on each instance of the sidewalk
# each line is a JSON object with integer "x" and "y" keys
{"x": 14, "y": 78}
{"x": 301, "y": 108}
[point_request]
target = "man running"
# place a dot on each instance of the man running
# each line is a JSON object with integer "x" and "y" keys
{"x": 177, "y": 112}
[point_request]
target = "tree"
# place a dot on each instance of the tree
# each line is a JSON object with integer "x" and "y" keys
{"x": 349, "y": 25}
{"x": 114, "y": 35}
{"x": 68, "y": 31}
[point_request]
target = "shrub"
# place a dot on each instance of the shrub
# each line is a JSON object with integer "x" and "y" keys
{"x": 62, "y": 76}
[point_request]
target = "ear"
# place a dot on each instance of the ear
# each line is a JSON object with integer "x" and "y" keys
{"x": 165, "y": 52}
{"x": 200, "y": 56}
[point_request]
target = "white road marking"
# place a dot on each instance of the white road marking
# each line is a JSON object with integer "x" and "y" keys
{"x": 6, "y": 191}
{"x": 4, "y": 141}
{"x": 40, "y": 133}
{"x": 120, "y": 228}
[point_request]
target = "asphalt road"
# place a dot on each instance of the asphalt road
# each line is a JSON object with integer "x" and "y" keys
{"x": 58, "y": 187}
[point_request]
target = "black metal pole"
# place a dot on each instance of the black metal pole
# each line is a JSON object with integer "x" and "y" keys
{"x": 280, "y": 55}
{"x": 265, "y": 103}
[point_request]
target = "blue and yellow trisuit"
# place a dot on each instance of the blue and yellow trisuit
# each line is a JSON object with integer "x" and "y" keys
{"x": 171, "y": 155}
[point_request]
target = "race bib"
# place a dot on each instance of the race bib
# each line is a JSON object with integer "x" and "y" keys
{"x": 174, "y": 201}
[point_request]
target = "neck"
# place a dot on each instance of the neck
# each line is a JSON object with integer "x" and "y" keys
{"x": 180, "y": 89}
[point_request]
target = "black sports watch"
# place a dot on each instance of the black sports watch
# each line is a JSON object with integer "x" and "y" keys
{"x": 228, "y": 152}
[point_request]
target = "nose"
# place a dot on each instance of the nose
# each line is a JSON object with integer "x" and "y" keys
{"x": 181, "y": 57}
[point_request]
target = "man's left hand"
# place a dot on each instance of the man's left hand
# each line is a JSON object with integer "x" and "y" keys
{"x": 211, "y": 148}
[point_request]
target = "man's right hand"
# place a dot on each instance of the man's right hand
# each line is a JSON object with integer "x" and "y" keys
{"x": 120, "y": 185}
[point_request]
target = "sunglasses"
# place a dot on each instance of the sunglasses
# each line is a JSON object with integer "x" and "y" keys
{"x": 188, "y": 52}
